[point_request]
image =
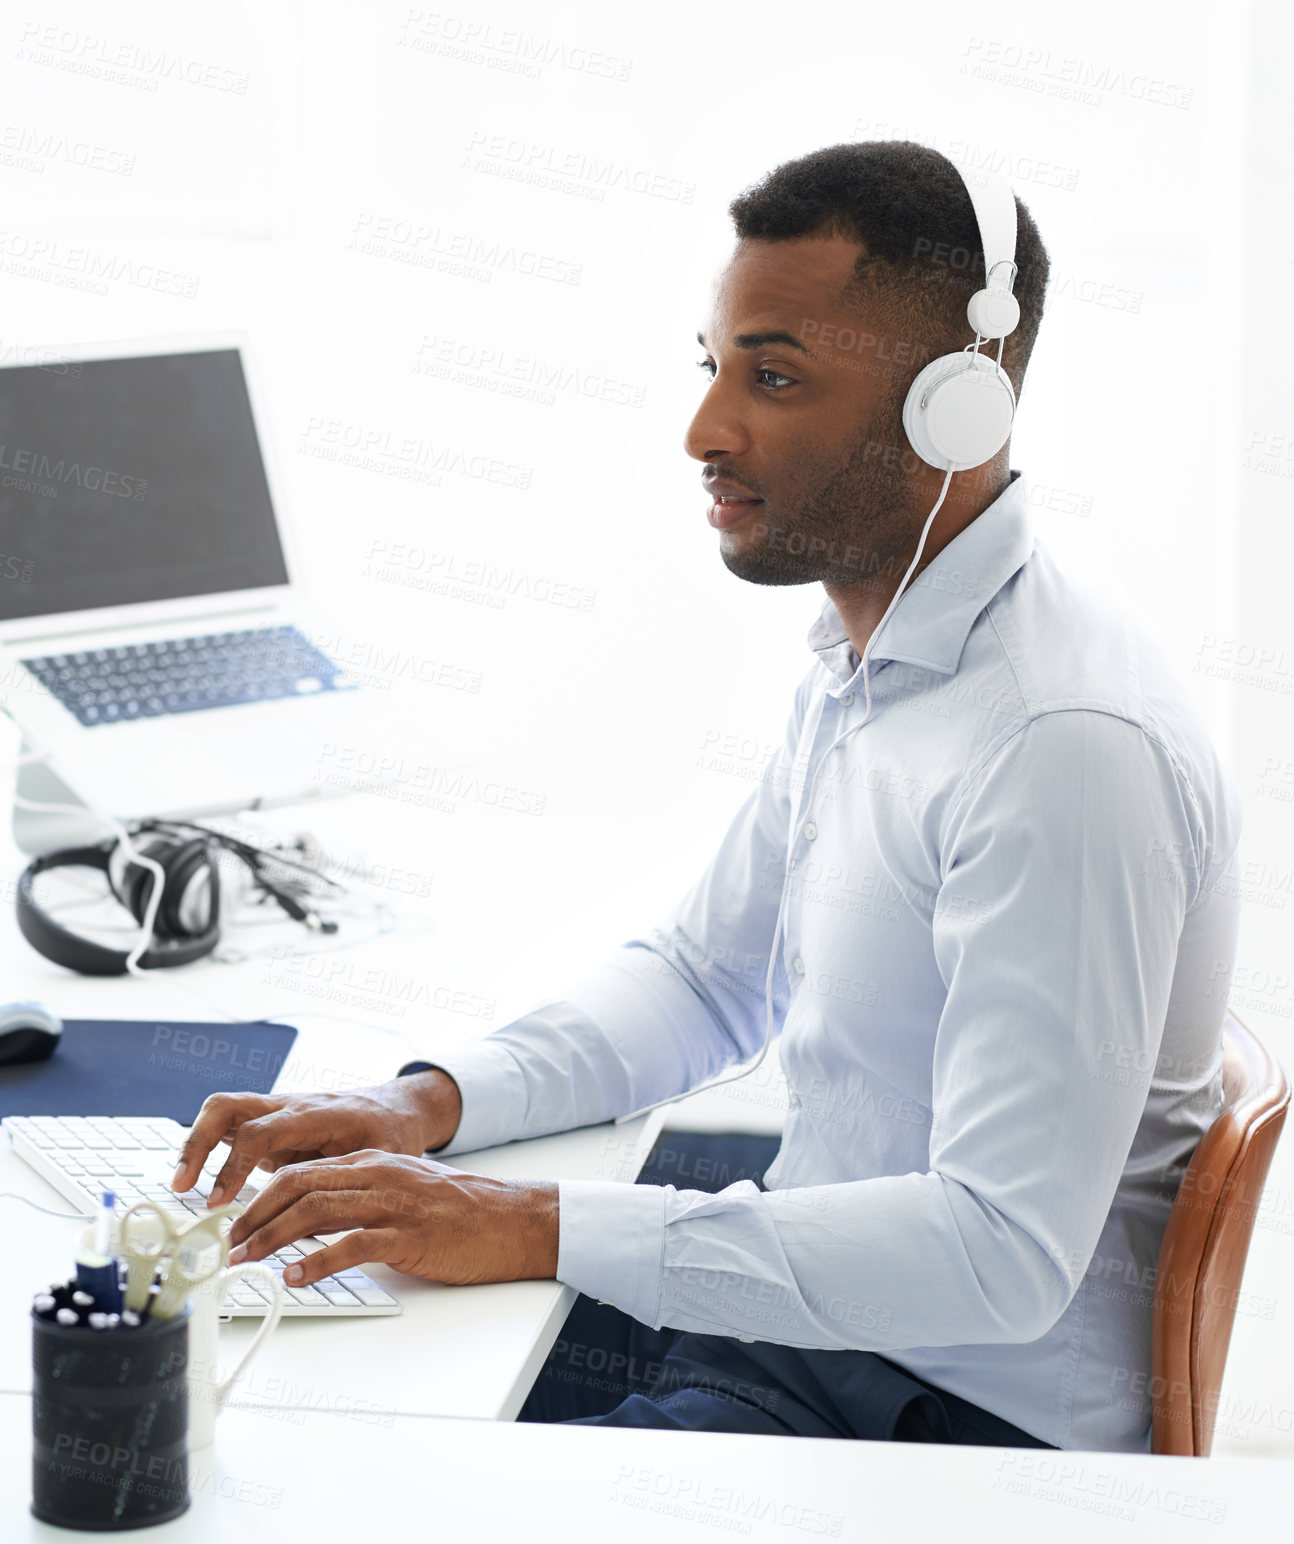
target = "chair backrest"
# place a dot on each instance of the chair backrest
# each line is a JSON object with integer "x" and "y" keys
{"x": 1202, "y": 1257}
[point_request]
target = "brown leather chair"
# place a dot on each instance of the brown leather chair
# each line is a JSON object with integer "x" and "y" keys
{"x": 1202, "y": 1257}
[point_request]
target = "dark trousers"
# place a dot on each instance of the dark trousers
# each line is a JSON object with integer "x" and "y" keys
{"x": 607, "y": 1369}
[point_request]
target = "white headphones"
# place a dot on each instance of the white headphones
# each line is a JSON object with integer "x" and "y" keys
{"x": 961, "y": 406}
{"x": 957, "y": 415}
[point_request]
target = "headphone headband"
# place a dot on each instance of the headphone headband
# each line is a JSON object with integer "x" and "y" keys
{"x": 994, "y": 206}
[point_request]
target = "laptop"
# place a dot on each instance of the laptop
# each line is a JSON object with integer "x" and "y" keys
{"x": 154, "y": 647}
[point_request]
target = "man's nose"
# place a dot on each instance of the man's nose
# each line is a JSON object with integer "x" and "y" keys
{"x": 716, "y": 428}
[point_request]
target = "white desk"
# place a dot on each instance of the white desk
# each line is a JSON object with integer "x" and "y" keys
{"x": 272, "y": 1475}
{"x": 463, "y": 1351}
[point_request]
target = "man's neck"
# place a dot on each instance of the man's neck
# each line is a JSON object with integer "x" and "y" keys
{"x": 861, "y": 606}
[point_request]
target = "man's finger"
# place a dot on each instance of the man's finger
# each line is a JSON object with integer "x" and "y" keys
{"x": 287, "y": 1187}
{"x": 367, "y": 1246}
{"x": 261, "y": 1134}
{"x": 318, "y": 1211}
{"x": 217, "y": 1121}
{"x": 271, "y": 1163}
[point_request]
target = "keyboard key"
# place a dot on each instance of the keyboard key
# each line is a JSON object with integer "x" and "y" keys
{"x": 336, "y": 1295}
{"x": 306, "y": 1296}
{"x": 374, "y": 1297}
{"x": 153, "y": 1141}
{"x": 245, "y": 1295}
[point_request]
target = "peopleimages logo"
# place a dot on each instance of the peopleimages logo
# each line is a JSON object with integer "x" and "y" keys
{"x": 44, "y": 473}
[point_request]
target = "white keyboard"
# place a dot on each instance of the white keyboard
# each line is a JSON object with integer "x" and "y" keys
{"x": 82, "y": 1156}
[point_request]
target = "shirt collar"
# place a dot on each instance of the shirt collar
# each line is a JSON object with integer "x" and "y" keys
{"x": 934, "y": 616}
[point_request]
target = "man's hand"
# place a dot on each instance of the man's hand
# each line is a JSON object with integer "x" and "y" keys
{"x": 414, "y": 1214}
{"x": 407, "y": 1115}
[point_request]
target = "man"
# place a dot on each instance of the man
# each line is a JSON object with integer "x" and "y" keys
{"x": 1003, "y": 928}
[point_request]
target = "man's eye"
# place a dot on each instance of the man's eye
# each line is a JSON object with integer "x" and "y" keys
{"x": 774, "y": 380}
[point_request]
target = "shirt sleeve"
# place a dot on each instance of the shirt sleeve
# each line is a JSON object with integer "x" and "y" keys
{"x": 665, "y": 1012}
{"x": 1053, "y": 931}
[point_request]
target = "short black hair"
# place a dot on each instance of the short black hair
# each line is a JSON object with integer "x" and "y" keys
{"x": 908, "y": 208}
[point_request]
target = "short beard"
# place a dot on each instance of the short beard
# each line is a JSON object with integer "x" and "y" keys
{"x": 851, "y": 526}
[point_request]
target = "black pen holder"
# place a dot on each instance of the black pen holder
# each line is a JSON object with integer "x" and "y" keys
{"x": 110, "y": 1423}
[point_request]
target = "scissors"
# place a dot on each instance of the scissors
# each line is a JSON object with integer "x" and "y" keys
{"x": 196, "y": 1248}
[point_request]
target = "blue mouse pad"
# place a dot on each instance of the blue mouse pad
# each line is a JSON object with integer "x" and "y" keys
{"x": 120, "y": 1067}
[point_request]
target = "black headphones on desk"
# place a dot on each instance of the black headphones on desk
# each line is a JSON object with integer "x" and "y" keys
{"x": 187, "y": 922}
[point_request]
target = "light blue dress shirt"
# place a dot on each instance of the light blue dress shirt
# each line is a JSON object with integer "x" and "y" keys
{"x": 1008, "y": 945}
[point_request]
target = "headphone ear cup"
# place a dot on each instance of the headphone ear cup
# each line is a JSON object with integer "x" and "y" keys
{"x": 235, "y": 879}
{"x": 116, "y": 867}
{"x": 959, "y": 411}
{"x": 191, "y": 897}
{"x": 190, "y": 887}
{"x": 132, "y": 882}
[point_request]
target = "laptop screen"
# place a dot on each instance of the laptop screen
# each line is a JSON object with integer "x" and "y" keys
{"x": 126, "y": 480}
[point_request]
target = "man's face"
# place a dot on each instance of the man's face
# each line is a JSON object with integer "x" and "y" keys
{"x": 804, "y": 415}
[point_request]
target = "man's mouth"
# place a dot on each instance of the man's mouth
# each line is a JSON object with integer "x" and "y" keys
{"x": 727, "y": 512}
{"x": 729, "y": 505}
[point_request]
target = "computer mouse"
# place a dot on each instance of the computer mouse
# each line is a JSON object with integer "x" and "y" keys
{"x": 29, "y": 1032}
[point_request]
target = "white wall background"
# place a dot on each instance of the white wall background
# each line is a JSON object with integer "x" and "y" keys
{"x": 355, "y": 188}
{"x": 315, "y": 197}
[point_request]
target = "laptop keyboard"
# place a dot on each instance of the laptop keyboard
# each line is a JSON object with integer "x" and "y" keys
{"x": 184, "y": 675}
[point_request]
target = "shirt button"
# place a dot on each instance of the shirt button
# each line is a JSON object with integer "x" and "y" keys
{"x": 747, "y": 1339}
{"x": 810, "y": 832}
{"x": 793, "y": 1098}
{"x": 846, "y": 699}
{"x": 798, "y": 965}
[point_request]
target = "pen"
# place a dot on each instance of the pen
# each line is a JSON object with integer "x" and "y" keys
{"x": 103, "y": 1224}
{"x": 97, "y": 1271}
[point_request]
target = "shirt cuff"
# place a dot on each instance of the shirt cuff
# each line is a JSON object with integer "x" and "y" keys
{"x": 611, "y": 1243}
{"x": 493, "y": 1090}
